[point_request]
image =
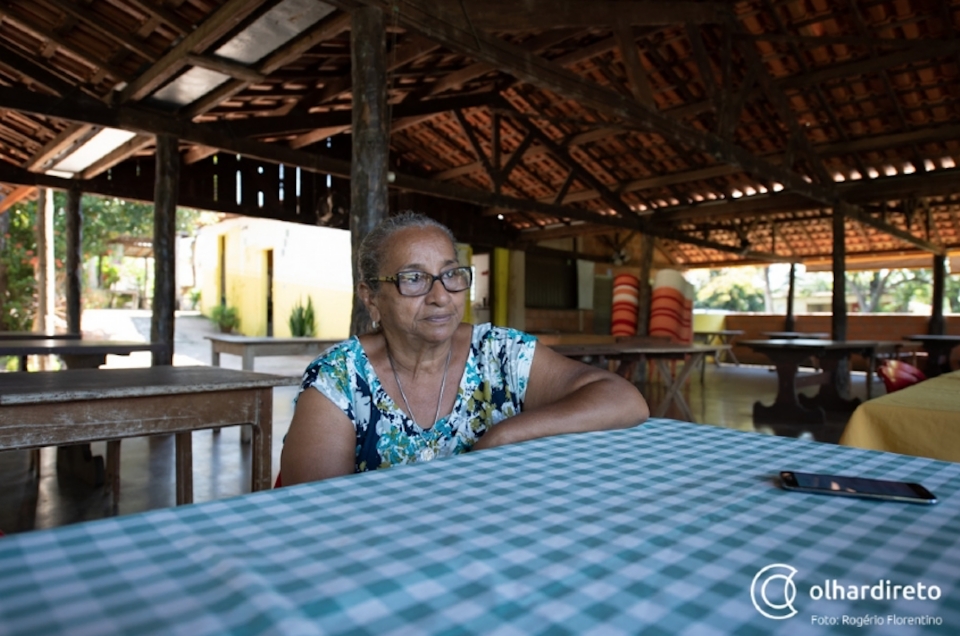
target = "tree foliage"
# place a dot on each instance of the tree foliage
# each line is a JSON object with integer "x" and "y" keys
{"x": 18, "y": 285}
{"x": 733, "y": 289}
{"x": 104, "y": 220}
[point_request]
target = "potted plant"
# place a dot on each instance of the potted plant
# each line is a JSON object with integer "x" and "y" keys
{"x": 302, "y": 320}
{"x": 227, "y": 318}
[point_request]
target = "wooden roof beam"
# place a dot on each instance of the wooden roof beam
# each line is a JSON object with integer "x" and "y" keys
{"x": 420, "y": 15}
{"x": 19, "y": 64}
{"x": 18, "y": 194}
{"x": 509, "y": 15}
{"x": 156, "y": 10}
{"x": 212, "y": 29}
{"x": 117, "y": 155}
{"x": 320, "y": 32}
{"x": 70, "y": 135}
{"x": 636, "y": 75}
{"x": 42, "y": 33}
{"x": 923, "y": 51}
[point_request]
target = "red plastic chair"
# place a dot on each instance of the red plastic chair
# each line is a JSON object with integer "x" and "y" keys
{"x": 897, "y": 375}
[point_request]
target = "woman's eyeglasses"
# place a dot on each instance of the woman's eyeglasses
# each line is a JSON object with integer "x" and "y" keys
{"x": 420, "y": 283}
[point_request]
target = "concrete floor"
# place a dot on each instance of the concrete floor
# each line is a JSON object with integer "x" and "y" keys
{"x": 222, "y": 464}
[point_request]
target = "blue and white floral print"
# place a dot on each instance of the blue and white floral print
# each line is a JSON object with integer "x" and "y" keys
{"x": 492, "y": 389}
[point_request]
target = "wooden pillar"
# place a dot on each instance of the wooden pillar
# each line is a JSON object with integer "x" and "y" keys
{"x": 645, "y": 291}
{"x": 165, "y": 192}
{"x": 74, "y": 237}
{"x": 46, "y": 273}
{"x": 791, "y": 323}
{"x": 839, "y": 319}
{"x": 371, "y": 138}
{"x": 939, "y": 283}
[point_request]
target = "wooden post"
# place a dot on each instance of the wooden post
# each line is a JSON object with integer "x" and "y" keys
{"x": 939, "y": 283}
{"x": 646, "y": 291}
{"x": 46, "y": 291}
{"x": 74, "y": 237}
{"x": 791, "y": 323}
{"x": 371, "y": 139}
{"x": 166, "y": 189}
{"x": 839, "y": 317}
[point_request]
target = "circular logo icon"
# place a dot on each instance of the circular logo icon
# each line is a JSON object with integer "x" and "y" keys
{"x": 779, "y": 577}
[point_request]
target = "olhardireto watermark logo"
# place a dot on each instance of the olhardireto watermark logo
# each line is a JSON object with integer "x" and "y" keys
{"x": 775, "y": 579}
{"x": 774, "y": 592}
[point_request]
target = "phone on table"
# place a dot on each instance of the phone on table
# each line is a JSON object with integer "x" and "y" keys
{"x": 845, "y": 486}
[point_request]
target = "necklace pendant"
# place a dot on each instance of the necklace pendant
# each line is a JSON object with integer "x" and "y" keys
{"x": 427, "y": 455}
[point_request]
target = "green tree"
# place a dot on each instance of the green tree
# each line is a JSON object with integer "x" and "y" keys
{"x": 17, "y": 269}
{"x": 891, "y": 290}
{"x": 733, "y": 289}
{"x": 104, "y": 220}
{"x": 952, "y": 292}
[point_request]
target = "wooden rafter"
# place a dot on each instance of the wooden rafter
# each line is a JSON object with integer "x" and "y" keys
{"x": 508, "y": 15}
{"x": 213, "y": 28}
{"x": 539, "y": 72}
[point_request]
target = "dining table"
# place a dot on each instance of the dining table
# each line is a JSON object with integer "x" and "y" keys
{"x": 938, "y": 348}
{"x": 7, "y": 336}
{"x": 664, "y": 528}
{"x": 249, "y": 348}
{"x": 833, "y": 393}
{"x": 720, "y": 337}
{"x": 79, "y": 406}
{"x": 76, "y": 353}
{"x": 793, "y": 335}
{"x": 629, "y": 354}
{"x": 922, "y": 420}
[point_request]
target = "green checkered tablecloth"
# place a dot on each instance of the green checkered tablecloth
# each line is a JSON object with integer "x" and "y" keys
{"x": 659, "y": 529}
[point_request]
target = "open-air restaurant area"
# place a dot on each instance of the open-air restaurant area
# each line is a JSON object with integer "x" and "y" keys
{"x": 479, "y": 317}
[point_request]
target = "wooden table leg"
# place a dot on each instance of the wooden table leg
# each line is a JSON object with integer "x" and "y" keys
{"x": 215, "y": 361}
{"x": 78, "y": 461}
{"x": 787, "y": 408}
{"x": 113, "y": 469}
{"x": 262, "y": 443}
{"x": 246, "y": 431}
{"x": 832, "y": 396}
{"x": 673, "y": 387}
{"x": 184, "y": 468}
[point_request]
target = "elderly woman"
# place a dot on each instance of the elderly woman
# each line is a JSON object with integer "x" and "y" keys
{"x": 424, "y": 384}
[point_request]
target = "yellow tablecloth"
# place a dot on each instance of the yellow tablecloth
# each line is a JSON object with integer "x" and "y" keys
{"x": 922, "y": 420}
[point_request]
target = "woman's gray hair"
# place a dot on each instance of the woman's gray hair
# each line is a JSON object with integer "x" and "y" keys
{"x": 373, "y": 246}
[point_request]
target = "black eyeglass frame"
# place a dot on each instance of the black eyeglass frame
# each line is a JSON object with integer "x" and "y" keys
{"x": 395, "y": 279}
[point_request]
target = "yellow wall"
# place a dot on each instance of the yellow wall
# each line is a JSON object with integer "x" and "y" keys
{"x": 307, "y": 262}
{"x": 708, "y": 322}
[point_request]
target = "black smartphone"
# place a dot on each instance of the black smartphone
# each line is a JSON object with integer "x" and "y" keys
{"x": 857, "y": 487}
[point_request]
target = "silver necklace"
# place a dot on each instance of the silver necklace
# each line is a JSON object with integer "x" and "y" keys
{"x": 443, "y": 386}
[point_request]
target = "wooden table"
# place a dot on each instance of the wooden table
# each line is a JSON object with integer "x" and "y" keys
{"x": 6, "y": 336}
{"x": 787, "y": 354}
{"x": 86, "y": 405}
{"x": 630, "y": 354}
{"x": 250, "y": 347}
{"x": 793, "y": 335}
{"x": 720, "y": 337}
{"x": 938, "y": 348}
{"x": 75, "y": 353}
{"x": 921, "y": 420}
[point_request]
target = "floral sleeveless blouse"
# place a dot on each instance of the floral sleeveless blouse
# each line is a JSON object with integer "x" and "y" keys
{"x": 492, "y": 389}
